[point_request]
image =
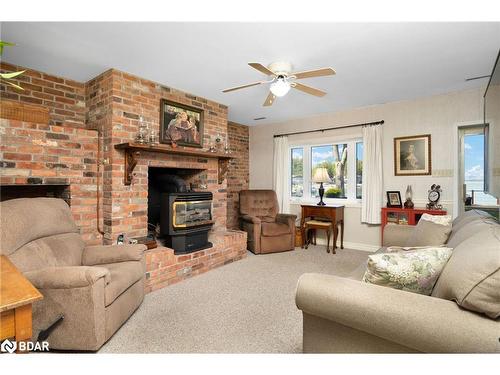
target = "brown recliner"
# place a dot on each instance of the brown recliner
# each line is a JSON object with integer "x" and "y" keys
{"x": 268, "y": 231}
{"x": 96, "y": 288}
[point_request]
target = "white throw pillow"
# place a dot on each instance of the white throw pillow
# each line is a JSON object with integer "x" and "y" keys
{"x": 437, "y": 219}
{"x": 413, "y": 271}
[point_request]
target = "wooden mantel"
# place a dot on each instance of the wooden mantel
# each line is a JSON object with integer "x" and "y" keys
{"x": 133, "y": 150}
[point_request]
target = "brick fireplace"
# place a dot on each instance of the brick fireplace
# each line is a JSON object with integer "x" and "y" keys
{"x": 65, "y": 148}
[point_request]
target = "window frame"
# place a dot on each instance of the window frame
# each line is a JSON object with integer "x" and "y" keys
{"x": 307, "y": 198}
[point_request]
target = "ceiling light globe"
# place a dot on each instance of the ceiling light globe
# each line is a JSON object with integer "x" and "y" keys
{"x": 280, "y": 87}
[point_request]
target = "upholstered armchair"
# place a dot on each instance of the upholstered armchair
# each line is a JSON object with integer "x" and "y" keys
{"x": 95, "y": 288}
{"x": 268, "y": 231}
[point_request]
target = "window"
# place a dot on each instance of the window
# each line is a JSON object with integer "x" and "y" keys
{"x": 472, "y": 167}
{"x": 297, "y": 178}
{"x": 341, "y": 160}
{"x": 359, "y": 169}
{"x": 334, "y": 159}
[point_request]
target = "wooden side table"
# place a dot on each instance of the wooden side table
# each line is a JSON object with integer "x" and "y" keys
{"x": 17, "y": 295}
{"x": 335, "y": 213}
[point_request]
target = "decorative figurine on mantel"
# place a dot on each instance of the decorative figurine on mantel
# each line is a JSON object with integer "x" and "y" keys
{"x": 217, "y": 145}
{"x": 142, "y": 136}
{"x": 408, "y": 195}
{"x": 434, "y": 196}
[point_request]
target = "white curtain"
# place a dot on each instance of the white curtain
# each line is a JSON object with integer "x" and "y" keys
{"x": 372, "y": 189}
{"x": 281, "y": 183}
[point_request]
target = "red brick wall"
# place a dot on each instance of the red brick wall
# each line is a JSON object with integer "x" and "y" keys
{"x": 133, "y": 97}
{"x": 238, "y": 173}
{"x": 65, "y": 98}
{"x": 50, "y": 154}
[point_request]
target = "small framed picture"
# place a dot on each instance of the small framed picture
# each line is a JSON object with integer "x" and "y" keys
{"x": 412, "y": 155}
{"x": 394, "y": 199}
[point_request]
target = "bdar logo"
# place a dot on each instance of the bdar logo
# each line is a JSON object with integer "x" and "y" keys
{"x": 8, "y": 346}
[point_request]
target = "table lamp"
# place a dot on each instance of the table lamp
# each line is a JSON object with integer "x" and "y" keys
{"x": 320, "y": 176}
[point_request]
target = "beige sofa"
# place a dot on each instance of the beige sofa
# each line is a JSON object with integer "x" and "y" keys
{"x": 96, "y": 288}
{"x": 346, "y": 315}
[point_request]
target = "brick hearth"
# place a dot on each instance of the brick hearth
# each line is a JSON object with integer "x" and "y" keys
{"x": 164, "y": 268}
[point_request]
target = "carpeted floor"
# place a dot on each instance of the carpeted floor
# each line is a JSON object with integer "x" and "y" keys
{"x": 243, "y": 307}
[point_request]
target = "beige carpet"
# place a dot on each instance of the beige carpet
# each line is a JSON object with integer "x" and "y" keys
{"x": 244, "y": 307}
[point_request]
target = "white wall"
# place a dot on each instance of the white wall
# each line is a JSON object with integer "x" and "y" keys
{"x": 437, "y": 115}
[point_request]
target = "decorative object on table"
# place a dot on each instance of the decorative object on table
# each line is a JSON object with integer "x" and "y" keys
{"x": 321, "y": 176}
{"x": 181, "y": 124}
{"x": 408, "y": 196}
{"x": 412, "y": 155}
{"x": 333, "y": 192}
{"x": 142, "y": 136}
{"x": 434, "y": 196}
{"x": 394, "y": 199}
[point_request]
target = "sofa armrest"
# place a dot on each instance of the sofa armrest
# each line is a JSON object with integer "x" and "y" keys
{"x": 93, "y": 255}
{"x": 67, "y": 277}
{"x": 424, "y": 323}
{"x": 397, "y": 235}
{"x": 287, "y": 219}
{"x": 250, "y": 219}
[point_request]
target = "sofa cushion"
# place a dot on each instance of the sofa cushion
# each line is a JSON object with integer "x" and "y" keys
{"x": 413, "y": 271}
{"x": 472, "y": 275}
{"x": 428, "y": 233}
{"x": 463, "y": 232}
{"x": 468, "y": 217}
{"x": 274, "y": 229}
{"x": 123, "y": 275}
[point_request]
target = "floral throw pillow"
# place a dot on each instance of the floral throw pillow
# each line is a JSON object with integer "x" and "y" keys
{"x": 414, "y": 271}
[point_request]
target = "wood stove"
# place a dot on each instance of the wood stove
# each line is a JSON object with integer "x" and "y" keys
{"x": 184, "y": 217}
{"x": 185, "y": 220}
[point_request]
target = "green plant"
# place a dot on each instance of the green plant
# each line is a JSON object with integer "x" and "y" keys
{"x": 333, "y": 192}
{"x": 6, "y": 77}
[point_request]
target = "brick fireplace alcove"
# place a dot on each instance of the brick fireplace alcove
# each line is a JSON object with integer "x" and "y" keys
{"x": 64, "y": 148}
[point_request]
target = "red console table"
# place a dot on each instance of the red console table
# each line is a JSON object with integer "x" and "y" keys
{"x": 404, "y": 216}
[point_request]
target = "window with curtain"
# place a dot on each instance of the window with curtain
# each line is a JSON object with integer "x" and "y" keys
{"x": 343, "y": 161}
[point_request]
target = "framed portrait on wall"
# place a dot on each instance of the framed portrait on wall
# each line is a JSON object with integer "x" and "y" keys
{"x": 181, "y": 124}
{"x": 412, "y": 155}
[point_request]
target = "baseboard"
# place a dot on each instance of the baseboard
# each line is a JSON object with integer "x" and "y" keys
{"x": 352, "y": 245}
{"x": 361, "y": 246}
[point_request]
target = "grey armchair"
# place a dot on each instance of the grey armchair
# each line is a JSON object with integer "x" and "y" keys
{"x": 96, "y": 288}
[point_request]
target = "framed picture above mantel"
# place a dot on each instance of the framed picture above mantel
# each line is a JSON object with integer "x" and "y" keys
{"x": 180, "y": 124}
{"x": 412, "y": 155}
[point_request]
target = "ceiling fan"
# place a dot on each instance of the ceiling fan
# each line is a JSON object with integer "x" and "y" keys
{"x": 282, "y": 79}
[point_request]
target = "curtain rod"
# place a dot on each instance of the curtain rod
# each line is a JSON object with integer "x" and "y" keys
{"x": 322, "y": 130}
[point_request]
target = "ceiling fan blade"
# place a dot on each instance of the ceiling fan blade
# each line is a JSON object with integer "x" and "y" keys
{"x": 314, "y": 73}
{"x": 308, "y": 89}
{"x": 269, "y": 100}
{"x": 261, "y": 68}
{"x": 242, "y": 87}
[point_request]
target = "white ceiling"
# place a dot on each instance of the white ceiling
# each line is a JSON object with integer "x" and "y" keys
{"x": 375, "y": 62}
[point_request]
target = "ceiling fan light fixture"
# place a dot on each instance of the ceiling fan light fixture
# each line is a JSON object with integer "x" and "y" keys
{"x": 280, "y": 86}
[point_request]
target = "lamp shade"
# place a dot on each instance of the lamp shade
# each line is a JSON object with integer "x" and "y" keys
{"x": 321, "y": 175}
